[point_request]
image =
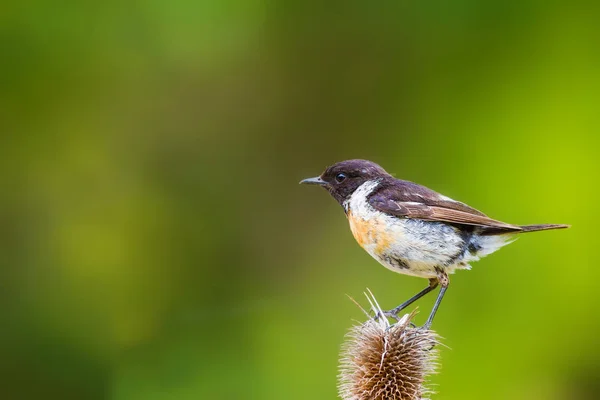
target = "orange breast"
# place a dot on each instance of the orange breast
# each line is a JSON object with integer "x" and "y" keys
{"x": 372, "y": 234}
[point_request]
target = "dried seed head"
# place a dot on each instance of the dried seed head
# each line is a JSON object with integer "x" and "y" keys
{"x": 387, "y": 362}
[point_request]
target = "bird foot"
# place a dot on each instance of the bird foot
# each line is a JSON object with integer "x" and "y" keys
{"x": 386, "y": 314}
{"x": 391, "y": 314}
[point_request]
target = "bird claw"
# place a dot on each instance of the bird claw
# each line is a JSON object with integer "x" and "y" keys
{"x": 394, "y": 315}
{"x": 386, "y": 314}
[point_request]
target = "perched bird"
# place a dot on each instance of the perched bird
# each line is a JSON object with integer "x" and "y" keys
{"x": 411, "y": 229}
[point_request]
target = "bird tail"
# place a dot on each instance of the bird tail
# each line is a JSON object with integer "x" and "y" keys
{"x": 542, "y": 227}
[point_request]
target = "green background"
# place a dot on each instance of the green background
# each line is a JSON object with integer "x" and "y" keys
{"x": 155, "y": 243}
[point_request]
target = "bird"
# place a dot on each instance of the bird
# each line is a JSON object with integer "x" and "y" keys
{"x": 413, "y": 230}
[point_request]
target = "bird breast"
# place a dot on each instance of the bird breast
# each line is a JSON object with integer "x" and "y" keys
{"x": 404, "y": 245}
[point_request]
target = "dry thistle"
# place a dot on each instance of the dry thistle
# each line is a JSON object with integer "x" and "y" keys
{"x": 380, "y": 361}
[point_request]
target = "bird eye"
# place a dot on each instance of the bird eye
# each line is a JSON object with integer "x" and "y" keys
{"x": 340, "y": 178}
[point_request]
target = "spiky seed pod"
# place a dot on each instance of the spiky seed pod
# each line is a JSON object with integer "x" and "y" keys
{"x": 380, "y": 361}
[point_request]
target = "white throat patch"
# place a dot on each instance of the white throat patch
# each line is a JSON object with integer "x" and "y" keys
{"x": 358, "y": 200}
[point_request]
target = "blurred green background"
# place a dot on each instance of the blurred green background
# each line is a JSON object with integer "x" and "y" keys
{"x": 155, "y": 241}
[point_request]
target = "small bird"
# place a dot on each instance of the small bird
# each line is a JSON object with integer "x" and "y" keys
{"x": 411, "y": 229}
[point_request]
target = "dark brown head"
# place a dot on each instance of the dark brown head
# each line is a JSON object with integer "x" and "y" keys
{"x": 343, "y": 178}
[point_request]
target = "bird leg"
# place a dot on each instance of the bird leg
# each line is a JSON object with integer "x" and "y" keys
{"x": 393, "y": 313}
{"x": 444, "y": 282}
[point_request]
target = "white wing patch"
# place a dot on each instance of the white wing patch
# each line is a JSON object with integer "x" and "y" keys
{"x": 446, "y": 198}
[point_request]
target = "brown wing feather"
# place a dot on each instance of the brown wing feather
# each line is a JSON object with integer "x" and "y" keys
{"x": 445, "y": 214}
{"x": 407, "y": 199}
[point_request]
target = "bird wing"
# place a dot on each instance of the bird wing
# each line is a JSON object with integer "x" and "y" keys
{"x": 409, "y": 200}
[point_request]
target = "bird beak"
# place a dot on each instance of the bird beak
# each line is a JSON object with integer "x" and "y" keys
{"x": 313, "y": 181}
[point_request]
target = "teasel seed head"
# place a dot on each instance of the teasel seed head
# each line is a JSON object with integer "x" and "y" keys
{"x": 380, "y": 361}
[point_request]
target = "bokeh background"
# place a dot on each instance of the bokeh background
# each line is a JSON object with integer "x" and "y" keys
{"x": 155, "y": 243}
